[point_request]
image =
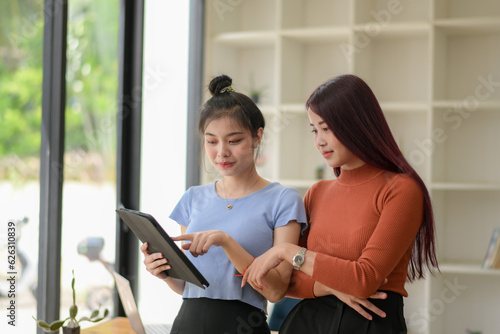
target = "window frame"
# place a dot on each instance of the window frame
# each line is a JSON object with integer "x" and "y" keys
{"x": 128, "y": 142}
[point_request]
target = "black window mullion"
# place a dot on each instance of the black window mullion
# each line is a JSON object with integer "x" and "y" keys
{"x": 51, "y": 159}
{"x": 195, "y": 83}
{"x": 129, "y": 136}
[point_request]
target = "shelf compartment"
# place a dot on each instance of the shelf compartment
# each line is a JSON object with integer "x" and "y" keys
{"x": 388, "y": 12}
{"x": 297, "y": 155}
{"x": 457, "y": 157}
{"x": 464, "y": 223}
{"x": 267, "y": 109}
{"x": 306, "y": 65}
{"x": 226, "y": 16}
{"x": 397, "y": 69}
{"x": 266, "y": 165}
{"x": 466, "y": 67}
{"x": 247, "y": 66}
{"x": 417, "y": 298}
{"x": 315, "y": 13}
{"x": 452, "y": 300}
{"x": 292, "y": 108}
{"x": 406, "y": 129}
{"x": 452, "y": 9}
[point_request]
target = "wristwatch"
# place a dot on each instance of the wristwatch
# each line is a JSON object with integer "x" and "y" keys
{"x": 299, "y": 258}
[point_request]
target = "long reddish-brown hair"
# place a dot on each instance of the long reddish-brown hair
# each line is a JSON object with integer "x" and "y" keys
{"x": 352, "y": 112}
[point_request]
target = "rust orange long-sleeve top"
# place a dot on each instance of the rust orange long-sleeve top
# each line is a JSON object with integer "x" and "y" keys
{"x": 362, "y": 226}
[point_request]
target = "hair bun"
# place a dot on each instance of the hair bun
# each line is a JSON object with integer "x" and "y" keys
{"x": 219, "y": 83}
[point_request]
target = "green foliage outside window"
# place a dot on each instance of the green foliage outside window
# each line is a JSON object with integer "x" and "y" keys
{"x": 92, "y": 80}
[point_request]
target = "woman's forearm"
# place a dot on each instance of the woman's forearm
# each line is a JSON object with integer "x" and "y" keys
{"x": 175, "y": 284}
{"x": 276, "y": 280}
{"x": 287, "y": 251}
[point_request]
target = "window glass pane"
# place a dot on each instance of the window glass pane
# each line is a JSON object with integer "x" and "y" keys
{"x": 163, "y": 167}
{"x": 21, "y": 58}
{"x": 89, "y": 195}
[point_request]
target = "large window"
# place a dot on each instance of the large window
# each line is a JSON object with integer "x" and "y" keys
{"x": 21, "y": 55}
{"x": 89, "y": 189}
{"x": 90, "y": 148}
{"x": 163, "y": 167}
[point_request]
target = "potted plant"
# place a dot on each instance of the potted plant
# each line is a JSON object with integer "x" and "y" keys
{"x": 72, "y": 324}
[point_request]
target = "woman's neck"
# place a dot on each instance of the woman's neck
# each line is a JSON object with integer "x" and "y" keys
{"x": 240, "y": 185}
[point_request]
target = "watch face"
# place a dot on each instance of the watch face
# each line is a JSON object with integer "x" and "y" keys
{"x": 298, "y": 259}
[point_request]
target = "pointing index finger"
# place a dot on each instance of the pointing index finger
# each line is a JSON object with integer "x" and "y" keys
{"x": 188, "y": 236}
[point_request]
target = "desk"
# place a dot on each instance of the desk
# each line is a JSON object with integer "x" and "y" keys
{"x": 119, "y": 325}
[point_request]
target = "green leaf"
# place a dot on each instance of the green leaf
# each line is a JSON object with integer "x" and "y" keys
{"x": 98, "y": 319}
{"x": 92, "y": 317}
{"x": 94, "y": 314}
{"x": 56, "y": 325}
{"x": 73, "y": 288}
{"x": 42, "y": 324}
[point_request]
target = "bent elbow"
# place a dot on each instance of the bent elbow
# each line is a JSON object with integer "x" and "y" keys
{"x": 277, "y": 297}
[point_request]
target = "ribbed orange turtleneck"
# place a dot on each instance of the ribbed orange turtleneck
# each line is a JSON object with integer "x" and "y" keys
{"x": 362, "y": 226}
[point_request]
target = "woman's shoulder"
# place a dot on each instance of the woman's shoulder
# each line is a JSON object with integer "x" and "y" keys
{"x": 402, "y": 184}
{"x": 319, "y": 188}
{"x": 399, "y": 179}
{"x": 201, "y": 190}
{"x": 278, "y": 190}
{"x": 202, "y": 187}
{"x": 323, "y": 184}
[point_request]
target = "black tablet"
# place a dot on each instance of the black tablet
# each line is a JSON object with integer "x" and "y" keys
{"x": 147, "y": 229}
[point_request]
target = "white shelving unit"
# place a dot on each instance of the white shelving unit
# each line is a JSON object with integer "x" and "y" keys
{"x": 435, "y": 67}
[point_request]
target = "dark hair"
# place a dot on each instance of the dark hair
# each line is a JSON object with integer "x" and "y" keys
{"x": 225, "y": 102}
{"x": 352, "y": 112}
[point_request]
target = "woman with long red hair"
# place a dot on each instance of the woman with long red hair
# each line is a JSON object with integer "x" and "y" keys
{"x": 370, "y": 229}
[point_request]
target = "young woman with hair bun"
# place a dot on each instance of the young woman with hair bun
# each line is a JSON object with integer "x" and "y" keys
{"x": 227, "y": 223}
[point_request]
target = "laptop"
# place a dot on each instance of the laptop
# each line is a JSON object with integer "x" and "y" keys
{"x": 130, "y": 308}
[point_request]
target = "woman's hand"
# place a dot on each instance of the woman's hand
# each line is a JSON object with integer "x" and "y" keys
{"x": 357, "y": 304}
{"x": 259, "y": 268}
{"x": 202, "y": 241}
{"x": 155, "y": 263}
